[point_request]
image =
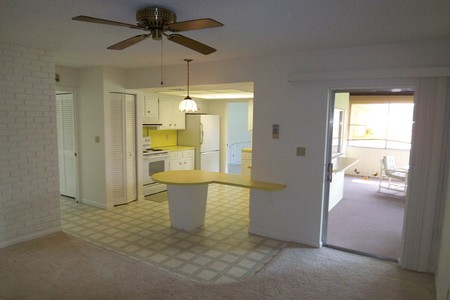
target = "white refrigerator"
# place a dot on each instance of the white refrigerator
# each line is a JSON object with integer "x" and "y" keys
{"x": 203, "y": 132}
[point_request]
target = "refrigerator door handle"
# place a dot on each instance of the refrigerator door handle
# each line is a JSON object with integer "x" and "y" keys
{"x": 202, "y": 133}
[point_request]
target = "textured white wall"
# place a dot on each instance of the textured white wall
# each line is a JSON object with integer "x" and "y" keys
{"x": 29, "y": 188}
{"x": 91, "y": 124}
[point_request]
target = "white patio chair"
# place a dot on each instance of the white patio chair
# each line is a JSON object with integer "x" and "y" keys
{"x": 397, "y": 178}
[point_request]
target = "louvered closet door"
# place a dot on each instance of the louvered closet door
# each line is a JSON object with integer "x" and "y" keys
{"x": 66, "y": 144}
{"x": 130, "y": 132}
{"x": 117, "y": 150}
{"x": 123, "y": 149}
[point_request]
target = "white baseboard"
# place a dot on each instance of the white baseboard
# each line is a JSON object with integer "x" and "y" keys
{"x": 31, "y": 236}
{"x": 93, "y": 203}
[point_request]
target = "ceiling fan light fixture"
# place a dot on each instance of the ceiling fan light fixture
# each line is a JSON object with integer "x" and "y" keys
{"x": 156, "y": 21}
{"x": 188, "y": 105}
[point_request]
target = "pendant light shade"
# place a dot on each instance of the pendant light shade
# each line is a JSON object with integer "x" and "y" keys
{"x": 188, "y": 105}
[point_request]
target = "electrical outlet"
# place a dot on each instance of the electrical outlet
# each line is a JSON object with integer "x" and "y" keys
{"x": 301, "y": 151}
{"x": 97, "y": 139}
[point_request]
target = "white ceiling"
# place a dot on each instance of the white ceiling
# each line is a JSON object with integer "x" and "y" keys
{"x": 252, "y": 27}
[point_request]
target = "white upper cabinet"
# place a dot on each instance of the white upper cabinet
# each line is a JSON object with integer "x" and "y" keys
{"x": 169, "y": 115}
{"x": 151, "y": 110}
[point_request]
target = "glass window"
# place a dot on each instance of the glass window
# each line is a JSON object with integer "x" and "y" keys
{"x": 338, "y": 131}
{"x": 381, "y": 125}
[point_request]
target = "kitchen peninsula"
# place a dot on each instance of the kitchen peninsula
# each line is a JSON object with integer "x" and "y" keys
{"x": 187, "y": 193}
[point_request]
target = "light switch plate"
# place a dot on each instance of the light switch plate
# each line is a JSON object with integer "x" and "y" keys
{"x": 275, "y": 131}
{"x": 301, "y": 151}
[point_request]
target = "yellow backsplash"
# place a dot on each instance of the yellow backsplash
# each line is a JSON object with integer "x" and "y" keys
{"x": 161, "y": 138}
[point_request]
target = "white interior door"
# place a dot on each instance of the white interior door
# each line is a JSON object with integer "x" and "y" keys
{"x": 65, "y": 117}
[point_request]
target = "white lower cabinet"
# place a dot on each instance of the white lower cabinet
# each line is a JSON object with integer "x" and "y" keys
{"x": 246, "y": 164}
{"x": 182, "y": 160}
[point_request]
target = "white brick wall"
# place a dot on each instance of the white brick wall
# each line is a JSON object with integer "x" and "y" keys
{"x": 29, "y": 195}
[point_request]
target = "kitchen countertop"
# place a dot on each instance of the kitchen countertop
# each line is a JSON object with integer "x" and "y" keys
{"x": 246, "y": 149}
{"x": 343, "y": 163}
{"x": 176, "y": 148}
{"x": 194, "y": 177}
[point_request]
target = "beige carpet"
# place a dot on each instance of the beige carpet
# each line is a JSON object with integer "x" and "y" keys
{"x": 60, "y": 266}
{"x": 367, "y": 220}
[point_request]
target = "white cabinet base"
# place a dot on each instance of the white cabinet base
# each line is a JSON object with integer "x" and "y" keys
{"x": 187, "y": 205}
{"x": 336, "y": 189}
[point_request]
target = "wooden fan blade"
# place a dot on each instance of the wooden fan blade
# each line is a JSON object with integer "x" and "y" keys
{"x": 103, "y": 21}
{"x": 193, "y": 25}
{"x": 128, "y": 42}
{"x": 190, "y": 43}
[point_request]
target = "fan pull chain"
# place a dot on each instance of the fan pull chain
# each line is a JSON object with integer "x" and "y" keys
{"x": 162, "y": 81}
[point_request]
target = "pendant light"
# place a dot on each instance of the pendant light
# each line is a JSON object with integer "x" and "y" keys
{"x": 188, "y": 105}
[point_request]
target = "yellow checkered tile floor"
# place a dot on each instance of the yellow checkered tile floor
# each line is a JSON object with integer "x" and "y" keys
{"x": 221, "y": 251}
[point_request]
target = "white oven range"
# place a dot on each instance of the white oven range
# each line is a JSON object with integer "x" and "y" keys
{"x": 155, "y": 161}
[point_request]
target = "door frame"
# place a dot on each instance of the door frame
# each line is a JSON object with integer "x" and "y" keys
{"x": 328, "y": 159}
{"x": 329, "y": 140}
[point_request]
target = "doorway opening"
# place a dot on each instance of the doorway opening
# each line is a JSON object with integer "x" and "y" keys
{"x": 239, "y": 135}
{"x": 365, "y": 214}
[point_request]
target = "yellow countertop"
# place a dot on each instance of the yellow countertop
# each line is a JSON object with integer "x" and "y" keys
{"x": 176, "y": 148}
{"x": 247, "y": 150}
{"x": 191, "y": 177}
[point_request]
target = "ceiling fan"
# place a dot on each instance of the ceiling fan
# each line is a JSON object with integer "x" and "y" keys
{"x": 157, "y": 21}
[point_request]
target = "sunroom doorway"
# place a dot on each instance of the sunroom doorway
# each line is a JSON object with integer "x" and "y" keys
{"x": 365, "y": 214}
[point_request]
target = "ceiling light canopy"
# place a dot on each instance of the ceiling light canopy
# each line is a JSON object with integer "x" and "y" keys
{"x": 188, "y": 105}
